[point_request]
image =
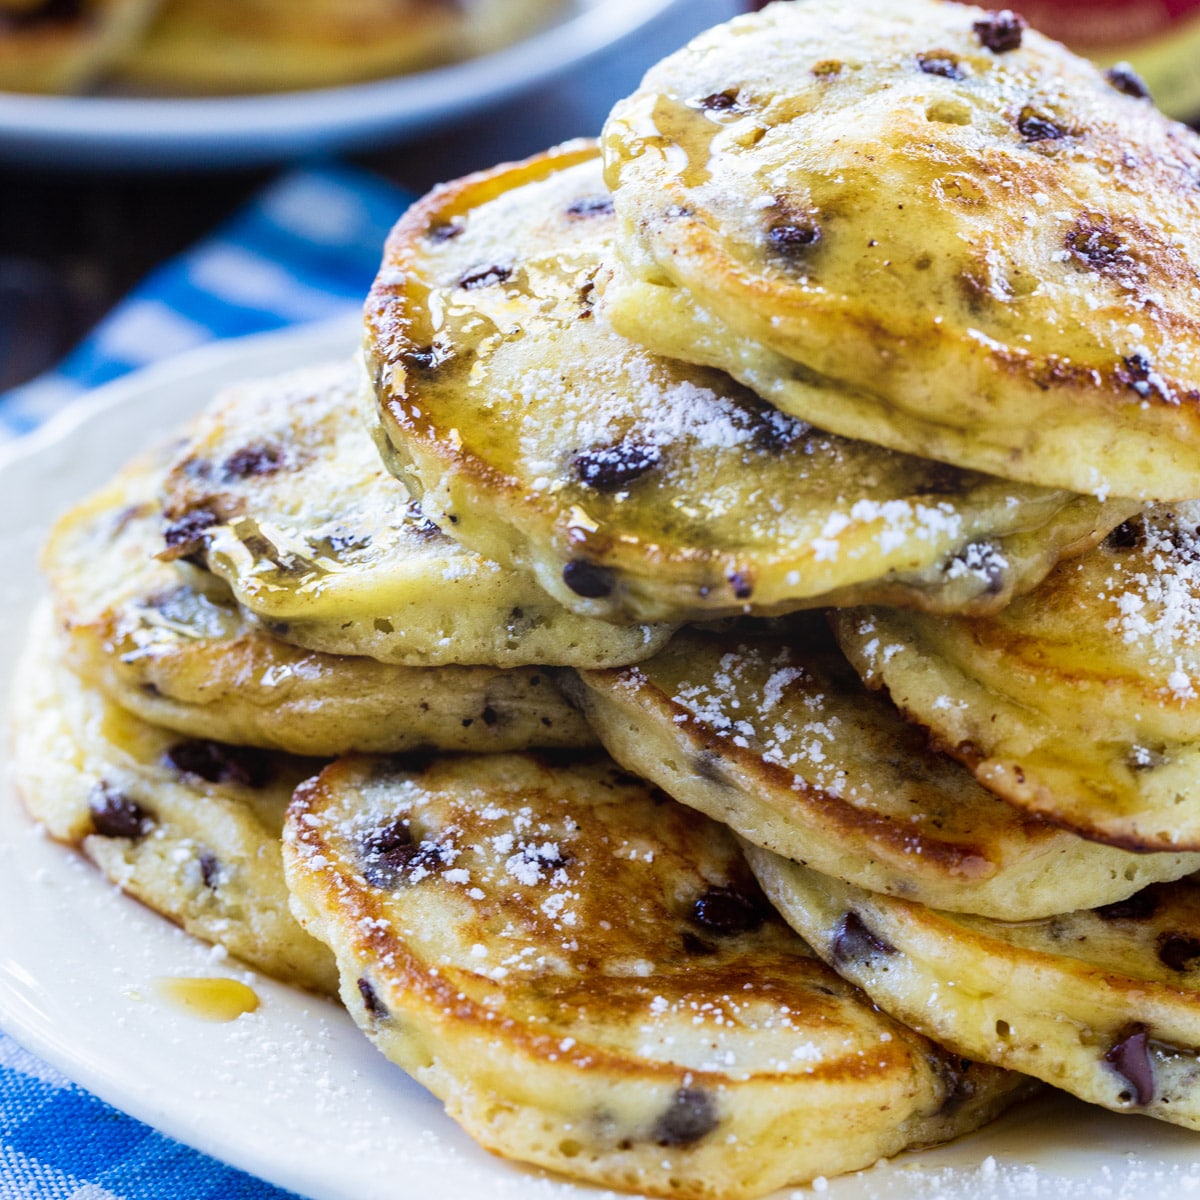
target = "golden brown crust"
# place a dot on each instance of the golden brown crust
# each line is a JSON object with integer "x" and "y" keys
{"x": 632, "y": 484}
{"x": 997, "y": 263}
{"x": 579, "y": 968}
{"x": 1078, "y": 703}
{"x": 169, "y": 642}
{"x": 772, "y": 733}
{"x": 1104, "y": 1004}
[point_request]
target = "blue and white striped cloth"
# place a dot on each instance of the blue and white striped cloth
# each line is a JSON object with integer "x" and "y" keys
{"x": 306, "y": 249}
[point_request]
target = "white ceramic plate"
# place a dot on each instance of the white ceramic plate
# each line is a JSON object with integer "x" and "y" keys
{"x": 293, "y": 1093}
{"x": 108, "y": 131}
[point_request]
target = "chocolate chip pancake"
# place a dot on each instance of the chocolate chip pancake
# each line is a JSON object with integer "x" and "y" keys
{"x": 635, "y": 487}
{"x": 770, "y": 731}
{"x": 584, "y": 972}
{"x": 1104, "y": 1003}
{"x": 277, "y": 45}
{"x": 280, "y": 491}
{"x": 926, "y": 226}
{"x": 169, "y": 642}
{"x": 65, "y": 45}
{"x": 1079, "y": 703}
{"x": 191, "y": 828}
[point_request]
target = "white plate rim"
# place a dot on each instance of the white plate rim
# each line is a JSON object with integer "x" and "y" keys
{"x": 1056, "y": 1148}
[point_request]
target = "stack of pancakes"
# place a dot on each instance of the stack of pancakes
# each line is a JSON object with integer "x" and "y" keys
{"x": 823, "y": 453}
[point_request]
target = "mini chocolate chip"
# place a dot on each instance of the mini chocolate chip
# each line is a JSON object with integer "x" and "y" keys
{"x": 1127, "y": 536}
{"x": 614, "y": 468}
{"x": 723, "y": 911}
{"x": 590, "y": 206}
{"x": 1135, "y": 370}
{"x": 743, "y": 588}
{"x": 852, "y": 941}
{"x": 547, "y": 855}
{"x": 692, "y": 1116}
{"x": 1001, "y": 31}
{"x": 489, "y": 716}
{"x": 374, "y": 1005}
{"x": 485, "y": 277}
{"x": 1138, "y": 907}
{"x": 775, "y": 431}
{"x": 938, "y": 62}
{"x": 698, "y": 946}
{"x": 428, "y": 358}
{"x": 261, "y": 459}
{"x": 1130, "y": 1058}
{"x": 1037, "y": 127}
{"x": 418, "y": 522}
{"x": 589, "y": 579}
{"x": 1178, "y": 950}
{"x": 446, "y": 231}
{"x": 957, "y": 1084}
{"x": 210, "y": 868}
{"x": 216, "y": 762}
{"x": 187, "y": 534}
{"x": 1143, "y": 758}
{"x": 1127, "y": 81}
{"x": 720, "y": 101}
{"x": 387, "y": 851}
{"x": 116, "y": 815}
{"x": 340, "y": 541}
{"x": 794, "y": 235}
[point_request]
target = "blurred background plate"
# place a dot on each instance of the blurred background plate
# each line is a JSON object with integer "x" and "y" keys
{"x": 121, "y": 131}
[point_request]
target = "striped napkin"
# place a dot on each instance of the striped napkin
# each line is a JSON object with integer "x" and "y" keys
{"x": 306, "y": 249}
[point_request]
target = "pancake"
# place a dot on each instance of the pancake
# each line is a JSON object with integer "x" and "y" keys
{"x": 635, "y": 487}
{"x": 169, "y": 642}
{"x": 65, "y": 45}
{"x": 772, "y": 733}
{"x": 1080, "y": 702}
{"x": 1104, "y": 1004}
{"x": 918, "y": 224}
{"x": 585, "y": 974}
{"x": 280, "y": 492}
{"x": 190, "y": 828}
{"x": 274, "y": 45}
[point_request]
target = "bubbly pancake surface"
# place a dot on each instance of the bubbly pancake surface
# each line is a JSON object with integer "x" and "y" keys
{"x": 584, "y": 972}
{"x": 189, "y": 827}
{"x": 638, "y": 487}
{"x": 1104, "y": 1003}
{"x": 772, "y": 733}
{"x": 1079, "y": 702}
{"x": 894, "y": 221}
{"x": 169, "y": 642}
{"x": 281, "y": 492}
